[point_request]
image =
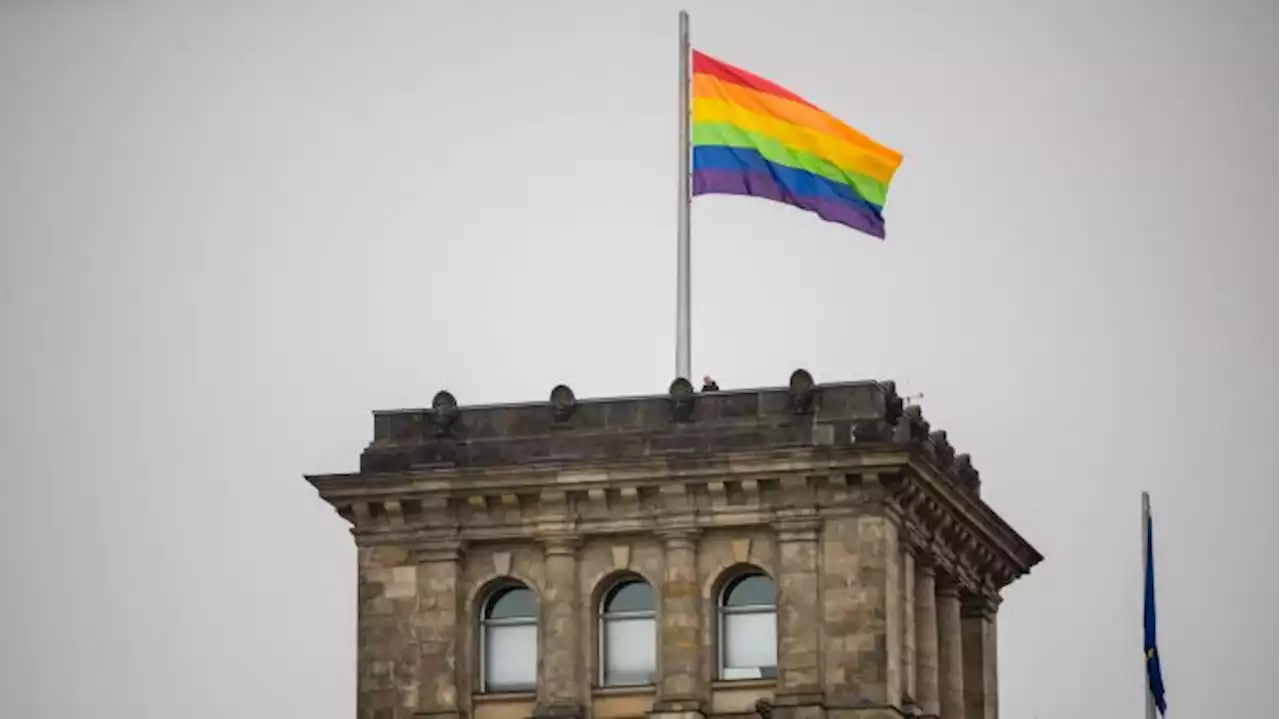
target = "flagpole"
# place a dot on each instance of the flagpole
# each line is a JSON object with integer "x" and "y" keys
{"x": 1149, "y": 700}
{"x": 683, "y": 293}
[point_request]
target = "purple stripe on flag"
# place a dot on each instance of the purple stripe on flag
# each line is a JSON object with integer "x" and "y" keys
{"x": 759, "y": 184}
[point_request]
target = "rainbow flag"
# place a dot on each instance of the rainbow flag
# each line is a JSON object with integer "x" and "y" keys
{"x": 752, "y": 137}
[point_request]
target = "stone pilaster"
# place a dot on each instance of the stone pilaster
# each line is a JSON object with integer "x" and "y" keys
{"x": 680, "y": 690}
{"x": 950, "y": 651}
{"x": 860, "y": 564}
{"x": 560, "y": 667}
{"x": 907, "y": 606}
{"x": 799, "y": 639}
{"x": 926, "y": 620}
{"x": 993, "y": 669}
{"x": 978, "y": 629}
{"x": 439, "y": 623}
{"x": 386, "y": 635}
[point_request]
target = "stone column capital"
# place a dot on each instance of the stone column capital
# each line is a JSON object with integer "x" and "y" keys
{"x": 979, "y": 605}
{"x": 947, "y": 585}
{"x": 909, "y": 542}
{"x": 441, "y": 548}
{"x": 560, "y": 544}
{"x": 797, "y": 527}
{"x": 678, "y": 537}
{"x": 920, "y": 548}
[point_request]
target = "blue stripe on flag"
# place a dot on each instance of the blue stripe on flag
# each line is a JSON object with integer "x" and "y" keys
{"x": 1155, "y": 680}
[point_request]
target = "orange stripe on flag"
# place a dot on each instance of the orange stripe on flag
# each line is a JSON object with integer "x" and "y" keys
{"x": 802, "y": 115}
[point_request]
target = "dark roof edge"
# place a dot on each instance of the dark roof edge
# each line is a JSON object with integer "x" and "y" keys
{"x": 632, "y": 398}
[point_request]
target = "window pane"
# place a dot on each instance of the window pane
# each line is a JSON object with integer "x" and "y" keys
{"x": 511, "y": 657}
{"x": 753, "y": 589}
{"x": 513, "y": 602}
{"x": 629, "y": 651}
{"x": 630, "y": 597}
{"x": 750, "y": 645}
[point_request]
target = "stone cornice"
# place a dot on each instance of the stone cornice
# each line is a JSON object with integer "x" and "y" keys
{"x": 788, "y": 458}
{"x": 576, "y": 475}
{"x": 681, "y": 423}
{"x": 978, "y": 511}
{"x": 941, "y": 518}
{"x": 789, "y": 494}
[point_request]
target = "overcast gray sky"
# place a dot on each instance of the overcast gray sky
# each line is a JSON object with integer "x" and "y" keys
{"x": 230, "y": 230}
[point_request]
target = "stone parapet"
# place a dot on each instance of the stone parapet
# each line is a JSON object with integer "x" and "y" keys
{"x": 709, "y": 459}
{"x": 841, "y": 494}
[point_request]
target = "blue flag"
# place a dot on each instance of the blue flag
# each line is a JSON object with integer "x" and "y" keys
{"x": 1155, "y": 681}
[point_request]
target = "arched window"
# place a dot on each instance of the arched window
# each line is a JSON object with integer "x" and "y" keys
{"x": 509, "y": 640}
{"x": 628, "y": 635}
{"x": 749, "y": 628}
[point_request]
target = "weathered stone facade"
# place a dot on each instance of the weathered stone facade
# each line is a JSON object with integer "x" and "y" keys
{"x": 887, "y": 563}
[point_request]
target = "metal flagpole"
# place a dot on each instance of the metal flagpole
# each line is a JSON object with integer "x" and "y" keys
{"x": 683, "y": 296}
{"x": 1150, "y": 701}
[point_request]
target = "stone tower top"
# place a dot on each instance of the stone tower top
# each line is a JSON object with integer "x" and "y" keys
{"x": 680, "y": 424}
{"x": 807, "y": 552}
{"x": 837, "y": 440}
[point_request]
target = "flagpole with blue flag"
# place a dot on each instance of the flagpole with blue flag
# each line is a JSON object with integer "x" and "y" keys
{"x": 1154, "y": 683}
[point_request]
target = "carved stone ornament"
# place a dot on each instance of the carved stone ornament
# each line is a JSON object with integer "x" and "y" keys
{"x": 444, "y": 413}
{"x": 683, "y": 399}
{"x": 803, "y": 390}
{"x": 893, "y": 403}
{"x": 563, "y": 403}
{"x": 942, "y": 448}
{"x": 962, "y": 472}
{"x": 918, "y": 424}
{"x": 881, "y": 428}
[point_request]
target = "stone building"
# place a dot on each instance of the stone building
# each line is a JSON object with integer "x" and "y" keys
{"x": 803, "y": 552}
